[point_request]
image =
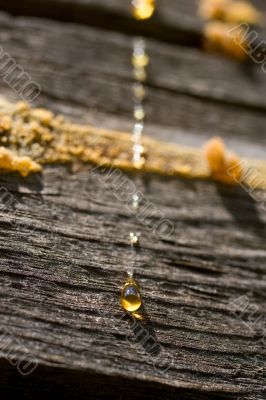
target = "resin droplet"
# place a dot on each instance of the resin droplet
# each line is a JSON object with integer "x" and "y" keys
{"x": 139, "y": 91}
{"x": 130, "y": 296}
{"x": 139, "y": 113}
{"x": 135, "y": 204}
{"x": 134, "y": 239}
{"x": 140, "y": 60}
{"x": 140, "y": 74}
{"x": 143, "y": 9}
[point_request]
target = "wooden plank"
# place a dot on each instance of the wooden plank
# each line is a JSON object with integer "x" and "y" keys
{"x": 64, "y": 244}
{"x": 176, "y": 22}
{"x": 115, "y": 15}
{"x": 63, "y": 269}
{"x": 74, "y": 66}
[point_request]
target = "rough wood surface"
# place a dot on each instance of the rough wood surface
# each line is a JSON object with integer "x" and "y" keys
{"x": 64, "y": 238}
{"x": 199, "y": 95}
{"x": 174, "y": 21}
{"x": 62, "y": 272}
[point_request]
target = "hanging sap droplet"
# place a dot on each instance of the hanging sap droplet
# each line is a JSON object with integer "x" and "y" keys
{"x": 138, "y": 130}
{"x": 139, "y": 91}
{"x": 143, "y": 9}
{"x": 140, "y": 60}
{"x": 130, "y": 296}
{"x": 135, "y": 202}
{"x": 140, "y": 74}
{"x": 139, "y": 112}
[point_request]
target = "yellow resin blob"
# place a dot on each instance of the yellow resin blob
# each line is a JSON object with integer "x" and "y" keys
{"x": 143, "y": 9}
{"x": 130, "y": 296}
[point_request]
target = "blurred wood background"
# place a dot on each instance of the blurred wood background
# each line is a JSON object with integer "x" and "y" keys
{"x": 64, "y": 241}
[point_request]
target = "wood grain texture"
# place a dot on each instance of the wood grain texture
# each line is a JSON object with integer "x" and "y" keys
{"x": 174, "y": 21}
{"x": 63, "y": 269}
{"x": 63, "y": 240}
{"x": 195, "y": 95}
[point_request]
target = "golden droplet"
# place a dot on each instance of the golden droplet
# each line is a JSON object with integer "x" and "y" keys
{"x": 134, "y": 239}
{"x": 130, "y": 296}
{"x": 143, "y": 9}
{"x": 140, "y": 60}
{"x": 140, "y": 74}
{"x": 139, "y": 112}
{"x": 139, "y": 91}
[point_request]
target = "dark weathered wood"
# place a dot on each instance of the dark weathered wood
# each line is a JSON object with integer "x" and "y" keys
{"x": 64, "y": 267}
{"x": 60, "y": 383}
{"x": 199, "y": 95}
{"x": 174, "y": 21}
{"x": 64, "y": 244}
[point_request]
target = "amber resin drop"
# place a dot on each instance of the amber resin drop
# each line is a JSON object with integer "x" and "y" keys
{"x": 143, "y": 9}
{"x": 130, "y": 296}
